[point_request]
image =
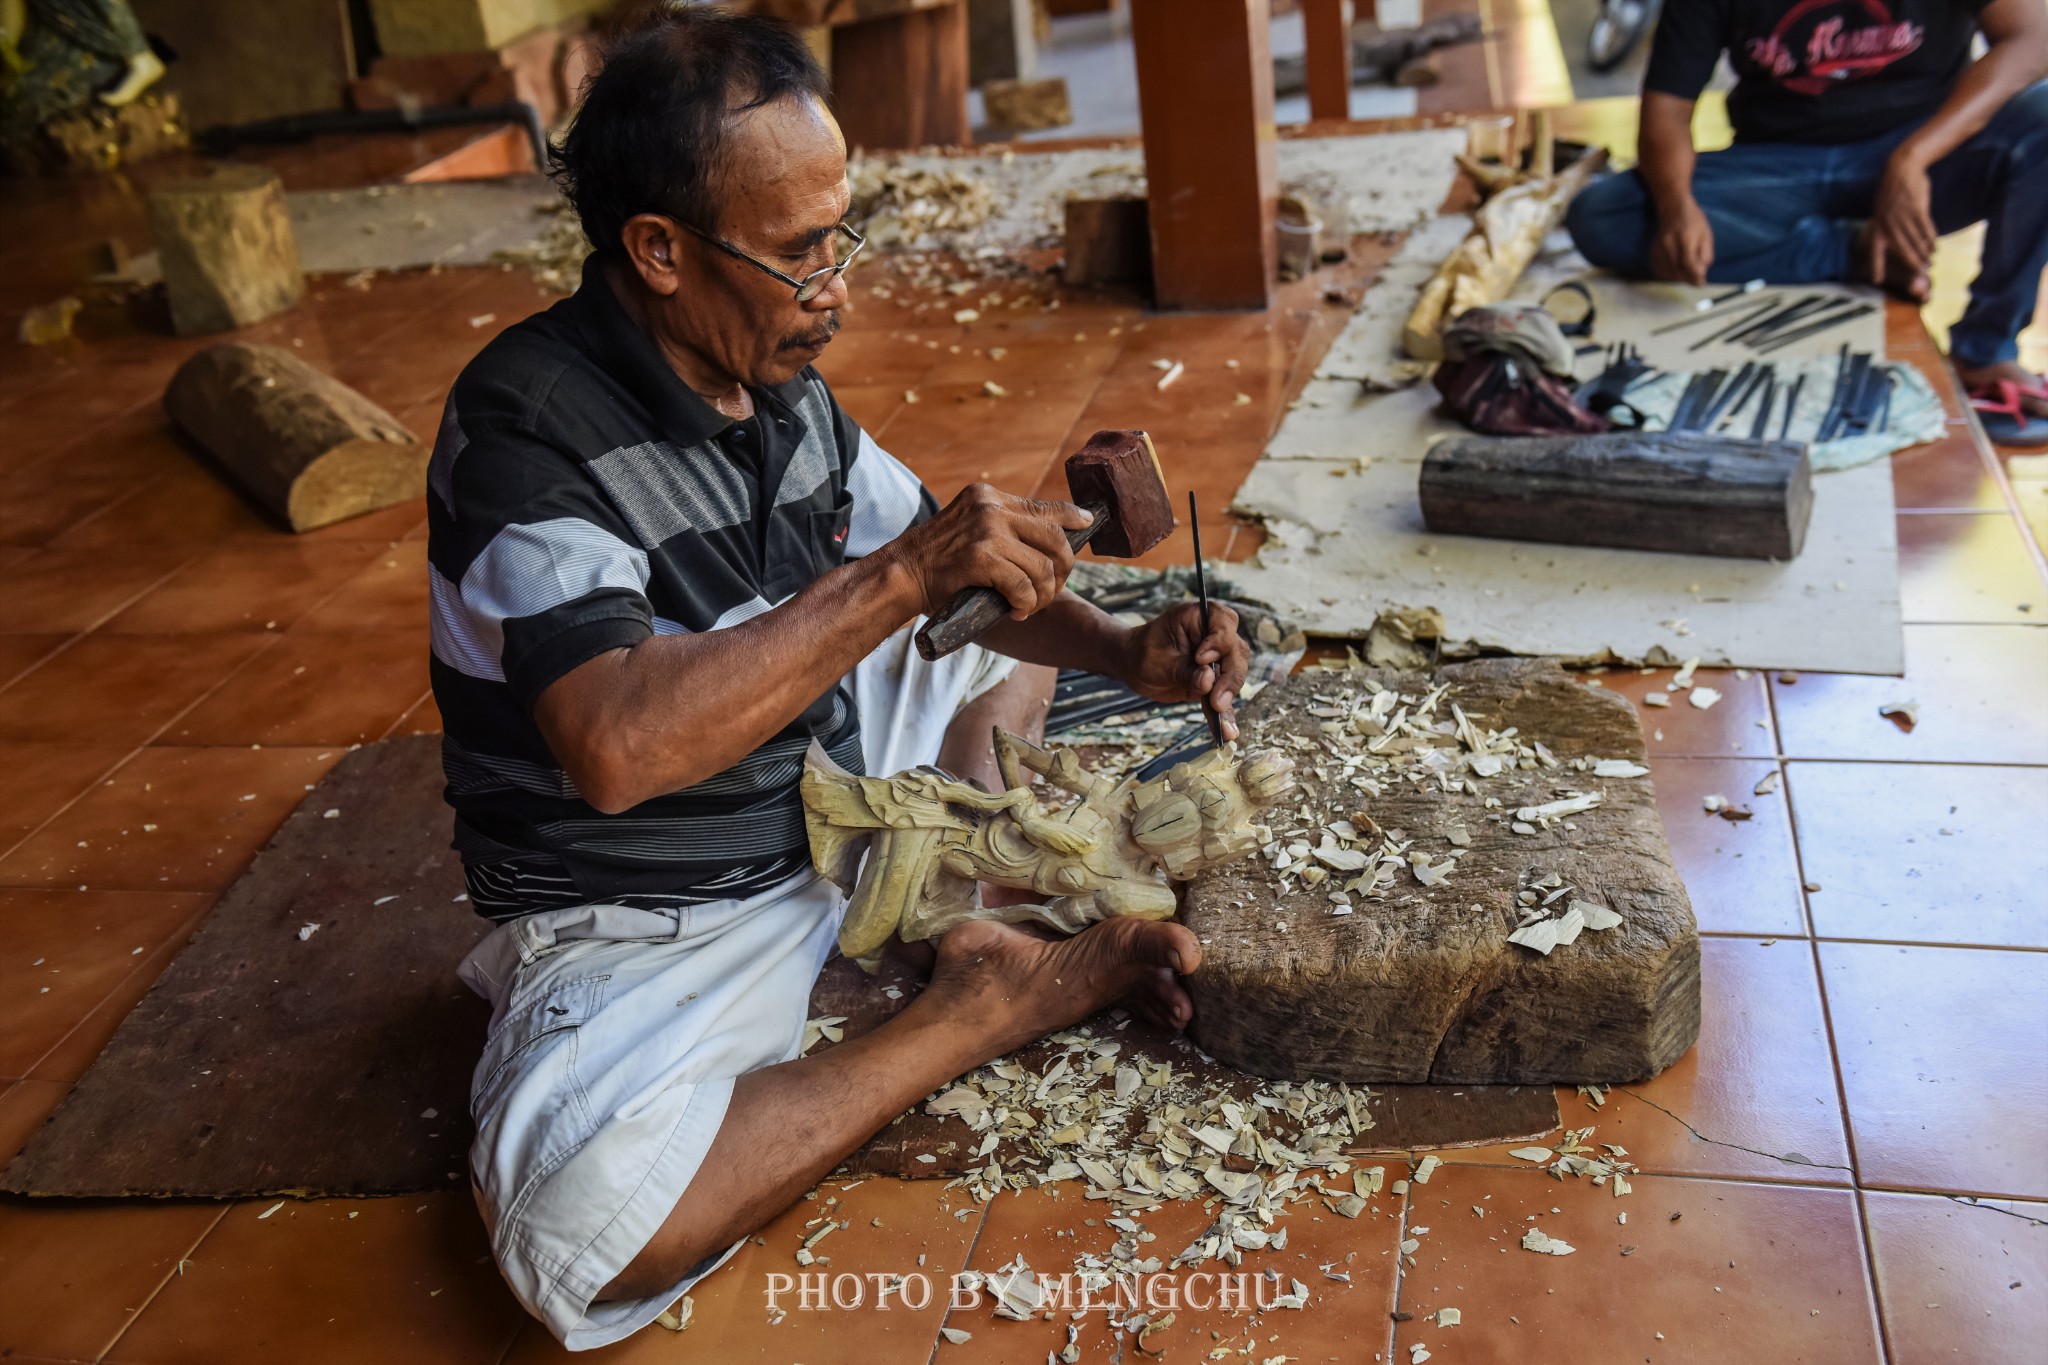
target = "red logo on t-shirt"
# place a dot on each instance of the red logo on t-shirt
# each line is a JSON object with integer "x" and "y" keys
{"x": 1812, "y": 48}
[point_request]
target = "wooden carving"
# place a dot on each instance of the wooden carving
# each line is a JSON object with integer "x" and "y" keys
{"x": 930, "y": 839}
{"x": 1507, "y": 232}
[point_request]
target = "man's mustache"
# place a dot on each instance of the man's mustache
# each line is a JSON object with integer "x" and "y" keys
{"x": 804, "y": 341}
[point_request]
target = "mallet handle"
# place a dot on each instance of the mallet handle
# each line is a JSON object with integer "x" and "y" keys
{"x": 977, "y": 609}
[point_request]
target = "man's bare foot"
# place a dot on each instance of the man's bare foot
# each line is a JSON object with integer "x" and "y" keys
{"x": 1024, "y": 987}
{"x": 2031, "y": 386}
{"x": 1899, "y": 277}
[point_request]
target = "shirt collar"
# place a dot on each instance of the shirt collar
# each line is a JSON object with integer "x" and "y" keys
{"x": 630, "y": 356}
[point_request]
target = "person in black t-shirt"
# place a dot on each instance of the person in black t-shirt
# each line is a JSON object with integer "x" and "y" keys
{"x": 1863, "y": 130}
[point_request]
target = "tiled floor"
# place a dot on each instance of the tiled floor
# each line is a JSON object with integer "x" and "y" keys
{"x": 1852, "y": 1166}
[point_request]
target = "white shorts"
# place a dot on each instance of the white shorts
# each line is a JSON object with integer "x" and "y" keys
{"x": 616, "y": 1035}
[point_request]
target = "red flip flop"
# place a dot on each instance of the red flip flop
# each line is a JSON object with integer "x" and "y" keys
{"x": 2005, "y": 418}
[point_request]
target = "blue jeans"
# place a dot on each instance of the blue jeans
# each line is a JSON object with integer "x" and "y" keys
{"x": 1788, "y": 213}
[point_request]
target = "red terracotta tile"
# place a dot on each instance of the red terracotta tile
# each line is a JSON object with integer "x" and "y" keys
{"x": 113, "y": 689}
{"x": 132, "y": 447}
{"x": 42, "y": 778}
{"x": 1925, "y": 853}
{"x": 1052, "y": 1225}
{"x": 73, "y": 590}
{"x": 313, "y": 688}
{"x": 1957, "y": 1281}
{"x": 1969, "y": 681}
{"x": 20, "y": 653}
{"x": 867, "y": 355}
{"x": 23, "y": 1107}
{"x": 73, "y": 1275}
{"x": 265, "y": 585}
{"x": 1941, "y": 1061}
{"x": 730, "y": 1318}
{"x": 423, "y": 719}
{"x": 188, "y": 507}
{"x": 170, "y": 819}
{"x": 44, "y": 503}
{"x": 1744, "y": 1273}
{"x": 1951, "y": 474}
{"x": 1742, "y": 876}
{"x": 871, "y": 406}
{"x": 389, "y": 592}
{"x": 387, "y": 1280}
{"x": 66, "y": 950}
{"x": 81, "y": 1047}
{"x": 1968, "y": 568}
{"x": 956, "y": 435}
{"x": 1739, "y": 723}
{"x": 1755, "y": 1099}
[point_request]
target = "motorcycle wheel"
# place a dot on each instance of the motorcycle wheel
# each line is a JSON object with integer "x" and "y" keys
{"x": 1616, "y": 33}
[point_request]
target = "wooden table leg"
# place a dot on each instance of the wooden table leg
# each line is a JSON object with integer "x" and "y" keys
{"x": 1327, "y": 26}
{"x": 1205, "y": 97}
{"x": 901, "y": 81}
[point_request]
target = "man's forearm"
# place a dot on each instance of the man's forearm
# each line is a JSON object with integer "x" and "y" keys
{"x": 1665, "y": 154}
{"x": 676, "y": 709}
{"x": 1986, "y": 85}
{"x": 1071, "y": 633}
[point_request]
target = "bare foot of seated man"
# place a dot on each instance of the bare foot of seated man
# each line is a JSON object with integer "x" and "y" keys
{"x": 994, "y": 988}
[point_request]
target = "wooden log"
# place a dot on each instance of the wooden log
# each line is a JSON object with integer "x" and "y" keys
{"x": 1507, "y": 232}
{"x": 1419, "y": 982}
{"x": 225, "y": 240}
{"x": 1674, "y": 492}
{"x": 1108, "y": 240}
{"x": 1417, "y": 72}
{"x": 307, "y": 447}
{"x": 1028, "y": 105}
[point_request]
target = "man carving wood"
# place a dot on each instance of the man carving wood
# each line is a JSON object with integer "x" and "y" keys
{"x": 664, "y": 564}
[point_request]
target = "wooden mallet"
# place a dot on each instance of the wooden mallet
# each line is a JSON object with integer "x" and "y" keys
{"x": 1116, "y": 479}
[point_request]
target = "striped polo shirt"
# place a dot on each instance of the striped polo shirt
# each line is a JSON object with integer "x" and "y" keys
{"x": 582, "y": 498}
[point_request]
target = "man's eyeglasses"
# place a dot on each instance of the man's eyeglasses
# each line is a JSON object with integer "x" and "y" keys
{"x": 811, "y": 285}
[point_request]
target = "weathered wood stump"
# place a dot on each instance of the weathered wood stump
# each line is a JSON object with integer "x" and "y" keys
{"x": 1674, "y": 492}
{"x": 305, "y": 446}
{"x": 225, "y": 241}
{"x": 1419, "y": 982}
{"x": 1108, "y": 241}
{"x": 1023, "y": 106}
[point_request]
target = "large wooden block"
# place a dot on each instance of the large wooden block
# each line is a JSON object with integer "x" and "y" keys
{"x": 1420, "y": 982}
{"x": 1676, "y": 492}
{"x": 225, "y": 240}
{"x": 306, "y": 446}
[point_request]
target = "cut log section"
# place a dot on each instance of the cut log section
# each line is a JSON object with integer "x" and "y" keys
{"x": 308, "y": 448}
{"x": 225, "y": 240}
{"x": 1108, "y": 241}
{"x": 1673, "y": 492}
{"x": 1507, "y": 232}
{"x": 1023, "y": 106}
{"x": 1416, "y": 979}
